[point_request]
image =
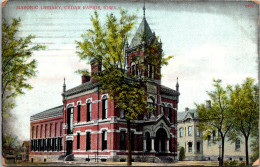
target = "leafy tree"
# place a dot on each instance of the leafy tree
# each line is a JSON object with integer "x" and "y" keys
{"x": 244, "y": 102}
{"x": 17, "y": 63}
{"x": 217, "y": 116}
{"x": 105, "y": 45}
{"x": 182, "y": 154}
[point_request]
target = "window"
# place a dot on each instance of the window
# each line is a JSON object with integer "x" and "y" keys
{"x": 181, "y": 132}
{"x": 122, "y": 140}
{"x": 214, "y": 135}
{"x": 32, "y": 132}
{"x": 209, "y": 140}
{"x": 198, "y": 147}
{"x": 137, "y": 70}
{"x": 122, "y": 113}
{"x": 41, "y": 131}
{"x": 197, "y": 132}
{"x": 70, "y": 121}
{"x": 61, "y": 128}
{"x": 148, "y": 70}
{"x": 162, "y": 109}
{"x": 237, "y": 145}
{"x": 79, "y": 112}
{"x": 148, "y": 142}
{"x": 50, "y": 129}
{"x": 190, "y": 146}
{"x": 133, "y": 69}
{"x": 88, "y": 141}
{"x": 152, "y": 72}
{"x": 104, "y": 140}
{"x": 78, "y": 141}
{"x": 36, "y": 131}
{"x": 104, "y": 107}
{"x": 55, "y": 134}
{"x": 190, "y": 131}
{"x": 89, "y": 111}
{"x": 150, "y": 102}
{"x": 45, "y": 133}
{"x": 169, "y": 114}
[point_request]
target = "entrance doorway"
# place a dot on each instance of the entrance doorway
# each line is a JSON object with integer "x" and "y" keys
{"x": 69, "y": 147}
{"x": 161, "y": 140}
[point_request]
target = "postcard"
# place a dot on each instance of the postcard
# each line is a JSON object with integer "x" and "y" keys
{"x": 141, "y": 82}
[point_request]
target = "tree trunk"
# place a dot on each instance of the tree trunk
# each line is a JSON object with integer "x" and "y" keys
{"x": 222, "y": 151}
{"x": 129, "y": 157}
{"x": 247, "y": 160}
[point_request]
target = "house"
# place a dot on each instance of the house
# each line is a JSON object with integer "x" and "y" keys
{"x": 88, "y": 127}
{"x": 196, "y": 148}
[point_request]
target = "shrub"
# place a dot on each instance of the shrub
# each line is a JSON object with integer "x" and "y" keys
{"x": 182, "y": 154}
{"x": 230, "y": 163}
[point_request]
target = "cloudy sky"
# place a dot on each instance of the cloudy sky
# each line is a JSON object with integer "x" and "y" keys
{"x": 207, "y": 39}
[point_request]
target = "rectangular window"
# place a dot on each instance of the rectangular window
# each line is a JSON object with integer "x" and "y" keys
{"x": 55, "y": 130}
{"x": 37, "y": 131}
{"x": 190, "y": 146}
{"x": 50, "y": 129}
{"x": 32, "y": 132}
{"x": 88, "y": 142}
{"x": 237, "y": 147}
{"x": 61, "y": 144}
{"x": 198, "y": 147}
{"x": 104, "y": 140}
{"x": 197, "y": 132}
{"x": 181, "y": 132}
{"x": 209, "y": 140}
{"x": 122, "y": 140}
{"x": 190, "y": 130}
{"x": 133, "y": 70}
{"x": 45, "y": 131}
{"x": 78, "y": 141}
{"x": 61, "y": 128}
{"x": 104, "y": 108}
{"x": 41, "y": 131}
{"x": 89, "y": 111}
{"x": 170, "y": 114}
{"x": 79, "y": 112}
{"x": 70, "y": 120}
{"x": 214, "y": 135}
{"x": 137, "y": 70}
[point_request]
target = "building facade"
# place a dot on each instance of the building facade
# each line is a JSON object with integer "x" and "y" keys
{"x": 89, "y": 127}
{"x": 196, "y": 148}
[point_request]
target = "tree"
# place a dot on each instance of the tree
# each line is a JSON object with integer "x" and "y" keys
{"x": 216, "y": 116}
{"x": 106, "y": 46}
{"x": 244, "y": 102}
{"x": 182, "y": 154}
{"x": 17, "y": 63}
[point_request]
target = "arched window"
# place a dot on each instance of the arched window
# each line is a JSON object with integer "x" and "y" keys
{"x": 122, "y": 140}
{"x": 148, "y": 141}
{"x": 88, "y": 141}
{"x": 104, "y": 107}
{"x": 89, "y": 110}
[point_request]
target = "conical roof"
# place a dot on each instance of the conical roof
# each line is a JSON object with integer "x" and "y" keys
{"x": 143, "y": 31}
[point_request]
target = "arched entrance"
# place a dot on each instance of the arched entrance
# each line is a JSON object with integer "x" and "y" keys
{"x": 160, "y": 140}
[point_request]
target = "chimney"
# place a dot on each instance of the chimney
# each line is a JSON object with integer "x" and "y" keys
{"x": 186, "y": 109}
{"x": 208, "y": 104}
{"x": 85, "y": 78}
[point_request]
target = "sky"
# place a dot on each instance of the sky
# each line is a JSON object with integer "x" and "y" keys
{"x": 207, "y": 39}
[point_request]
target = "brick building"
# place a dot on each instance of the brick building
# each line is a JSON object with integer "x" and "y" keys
{"x": 89, "y": 127}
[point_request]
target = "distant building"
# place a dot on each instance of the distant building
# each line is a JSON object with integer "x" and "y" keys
{"x": 196, "y": 148}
